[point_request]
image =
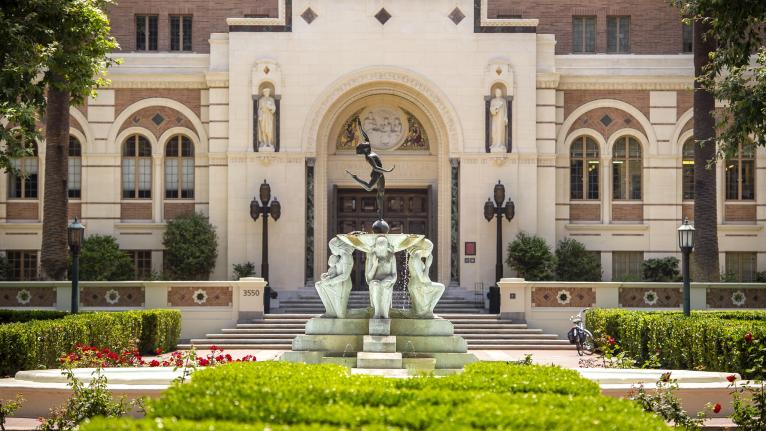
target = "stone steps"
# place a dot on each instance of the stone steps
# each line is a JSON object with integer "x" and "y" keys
{"x": 481, "y": 331}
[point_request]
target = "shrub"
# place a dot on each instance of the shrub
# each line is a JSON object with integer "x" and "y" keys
{"x": 16, "y": 316}
{"x": 5, "y": 268}
{"x": 242, "y": 270}
{"x": 575, "y": 263}
{"x": 486, "y": 396}
{"x": 531, "y": 257}
{"x": 706, "y": 340}
{"x": 159, "y": 329}
{"x": 660, "y": 269}
{"x": 40, "y": 343}
{"x": 102, "y": 260}
{"x": 190, "y": 247}
{"x": 86, "y": 402}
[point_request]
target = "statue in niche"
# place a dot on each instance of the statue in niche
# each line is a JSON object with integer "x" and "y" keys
{"x": 380, "y": 273}
{"x": 334, "y": 286}
{"x": 267, "y": 109}
{"x": 498, "y": 111}
{"x": 424, "y": 293}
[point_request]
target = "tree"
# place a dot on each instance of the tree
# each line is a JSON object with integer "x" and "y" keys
{"x": 736, "y": 70}
{"x": 191, "y": 247}
{"x": 705, "y": 196}
{"x": 57, "y": 48}
{"x": 575, "y": 263}
{"x": 102, "y": 260}
{"x": 729, "y": 65}
{"x": 531, "y": 257}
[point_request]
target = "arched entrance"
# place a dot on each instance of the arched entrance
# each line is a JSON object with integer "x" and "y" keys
{"x": 422, "y": 172}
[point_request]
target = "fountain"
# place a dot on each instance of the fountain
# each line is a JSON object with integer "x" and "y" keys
{"x": 380, "y": 336}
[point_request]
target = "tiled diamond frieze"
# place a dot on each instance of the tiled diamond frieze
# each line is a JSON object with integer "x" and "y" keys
{"x": 158, "y": 119}
{"x": 606, "y": 120}
{"x": 456, "y": 15}
{"x": 309, "y": 15}
{"x": 383, "y": 16}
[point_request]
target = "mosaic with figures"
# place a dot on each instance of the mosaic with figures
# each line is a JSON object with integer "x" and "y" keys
{"x": 579, "y": 297}
{"x": 387, "y": 127}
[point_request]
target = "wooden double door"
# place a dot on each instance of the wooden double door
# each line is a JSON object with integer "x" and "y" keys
{"x": 407, "y": 211}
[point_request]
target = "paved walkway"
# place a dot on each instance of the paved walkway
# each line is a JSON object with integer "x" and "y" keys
{"x": 562, "y": 358}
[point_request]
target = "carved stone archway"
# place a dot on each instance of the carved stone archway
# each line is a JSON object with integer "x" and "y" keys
{"x": 446, "y": 138}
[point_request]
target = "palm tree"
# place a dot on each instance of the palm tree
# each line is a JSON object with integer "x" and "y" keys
{"x": 54, "y": 254}
{"x": 705, "y": 195}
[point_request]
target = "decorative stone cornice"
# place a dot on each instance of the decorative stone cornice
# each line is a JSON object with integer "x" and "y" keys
{"x": 548, "y": 80}
{"x": 157, "y": 81}
{"x": 217, "y": 79}
{"x": 611, "y": 82}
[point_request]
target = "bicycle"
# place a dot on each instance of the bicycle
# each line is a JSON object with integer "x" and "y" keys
{"x": 581, "y": 337}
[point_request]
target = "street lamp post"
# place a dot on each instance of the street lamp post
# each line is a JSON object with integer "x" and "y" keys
{"x": 498, "y": 210}
{"x": 265, "y": 207}
{"x": 75, "y": 233}
{"x": 686, "y": 243}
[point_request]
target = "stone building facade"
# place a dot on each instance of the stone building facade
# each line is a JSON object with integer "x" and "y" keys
{"x": 599, "y": 110}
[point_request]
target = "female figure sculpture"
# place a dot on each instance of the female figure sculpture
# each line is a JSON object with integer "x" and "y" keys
{"x": 380, "y": 273}
{"x": 424, "y": 293}
{"x": 334, "y": 286}
{"x": 267, "y": 109}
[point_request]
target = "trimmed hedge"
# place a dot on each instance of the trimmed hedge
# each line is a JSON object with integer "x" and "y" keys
{"x": 707, "y": 340}
{"x": 115, "y": 424}
{"x": 159, "y": 328}
{"x": 40, "y": 343}
{"x": 15, "y": 316}
{"x": 486, "y": 396}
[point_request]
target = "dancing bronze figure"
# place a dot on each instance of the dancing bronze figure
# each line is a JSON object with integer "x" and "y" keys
{"x": 377, "y": 176}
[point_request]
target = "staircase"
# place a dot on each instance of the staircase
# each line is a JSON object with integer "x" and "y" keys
{"x": 308, "y": 302}
{"x": 481, "y": 331}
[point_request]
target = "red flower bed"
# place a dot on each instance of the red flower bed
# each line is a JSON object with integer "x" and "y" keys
{"x": 93, "y": 357}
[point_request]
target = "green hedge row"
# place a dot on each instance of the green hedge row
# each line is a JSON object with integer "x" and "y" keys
{"x": 173, "y": 424}
{"x": 14, "y": 316}
{"x": 712, "y": 341}
{"x": 485, "y": 396}
{"x": 40, "y": 343}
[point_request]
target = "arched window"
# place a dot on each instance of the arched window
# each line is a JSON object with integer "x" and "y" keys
{"x": 626, "y": 169}
{"x": 74, "y": 172}
{"x": 584, "y": 169}
{"x": 179, "y": 168}
{"x": 136, "y": 168}
{"x": 24, "y": 185}
{"x": 740, "y": 174}
{"x": 687, "y": 169}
